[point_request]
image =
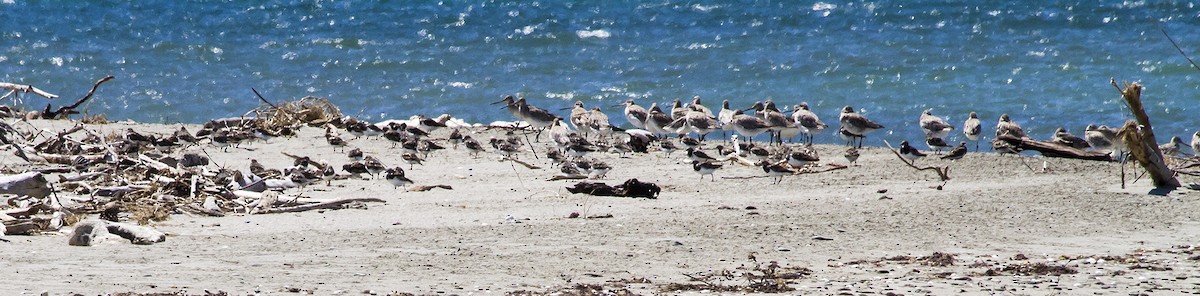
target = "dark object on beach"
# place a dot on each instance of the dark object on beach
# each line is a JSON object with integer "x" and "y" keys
{"x": 631, "y": 188}
{"x": 110, "y": 213}
{"x": 639, "y": 144}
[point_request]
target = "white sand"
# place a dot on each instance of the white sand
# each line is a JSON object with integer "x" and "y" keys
{"x": 459, "y": 242}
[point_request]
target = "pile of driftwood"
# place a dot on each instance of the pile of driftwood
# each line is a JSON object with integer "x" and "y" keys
{"x": 130, "y": 176}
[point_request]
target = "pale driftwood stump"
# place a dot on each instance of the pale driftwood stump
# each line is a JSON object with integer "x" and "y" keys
{"x": 29, "y": 183}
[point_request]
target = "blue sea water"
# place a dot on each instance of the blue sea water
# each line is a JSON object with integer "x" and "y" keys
{"x": 1046, "y": 63}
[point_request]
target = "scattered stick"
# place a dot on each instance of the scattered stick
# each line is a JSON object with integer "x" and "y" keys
{"x": 333, "y": 204}
{"x": 526, "y": 164}
{"x": 423, "y": 188}
{"x": 942, "y": 172}
{"x": 13, "y": 87}
{"x": 65, "y": 111}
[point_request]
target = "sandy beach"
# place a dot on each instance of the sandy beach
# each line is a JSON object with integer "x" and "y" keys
{"x": 874, "y": 228}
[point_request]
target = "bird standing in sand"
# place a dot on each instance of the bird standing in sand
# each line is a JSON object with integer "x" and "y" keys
{"x": 972, "y": 128}
{"x": 909, "y": 152}
{"x": 958, "y": 152}
{"x": 857, "y": 125}
{"x": 706, "y": 168}
{"x": 636, "y": 115}
{"x": 808, "y": 121}
{"x": 933, "y": 126}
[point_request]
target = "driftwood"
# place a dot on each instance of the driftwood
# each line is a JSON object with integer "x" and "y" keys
{"x": 1139, "y": 137}
{"x": 64, "y": 111}
{"x": 942, "y": 172}
{"x": 29, "y": 183}
{"x": 1051, "y": 149}
{"x": 423, "y": 188}
{"x": 92, "y": 232}
{"x": 14, "y": 88}
{"x": 333, "y": 204}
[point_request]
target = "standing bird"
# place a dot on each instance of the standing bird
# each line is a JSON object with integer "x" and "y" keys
{"x": 580, "y": 118}
{"x": 909, "y": 152}
{"x": 936, "y": 144}
{"x": 696, "y": 106}
{"x": 725, "y": 117}
{"x": 473, "y": 146}
{"x": 706, "y": 168}
{"x": 802, "y": 157}
{"x": 657, "y": 121}
{"x": 857, "y": 125}
{"x": 777, "y": 170}
{"x": 334, "y": 139}
{"x": 677, "y": 109}
{"x": 972, "y": 129}
{"x": 748, "y": 126}
{"x": 411, "y": 159}
{"x": 1196, "y": 142}
{"x": 1008, "y": 127}
{"x": 1062, "y": 137}
{"x": 1174, "y": 148}
{"x": 699, "y": 155}
{"x": 599, "y": 122}
{"x": 851, "y": 155}
{"x": 933, "y": 126}
{"x": 808, "y": 121}
{"x": 636, "y": 115}
{"x": 958, "y": 152}
{"x": 700, "y": 122}
{"x": 397, "y": 178}
{"x": 455, "y": 138}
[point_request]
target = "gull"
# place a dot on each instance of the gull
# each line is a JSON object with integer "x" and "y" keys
{"x": 933, "y": 126}
{"x": 972, "y": 129}
{"x": 636, "y": 115}
{"x": 857, "y": 124}
{"x": 1007, "y": 127}
{"x": 958, "y": 152}
{"x": 706, "y": 168}
{"x": 808, "y": 121}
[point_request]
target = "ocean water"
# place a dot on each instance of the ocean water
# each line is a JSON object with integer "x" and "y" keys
{"x": 1046, "y": 63}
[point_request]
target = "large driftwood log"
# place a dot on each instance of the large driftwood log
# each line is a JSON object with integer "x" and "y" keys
{"x": 92, "y": 232}
{"x": 29, "y": 183}
{"x": 1051, "y": 149}
{"x": 333, "y": 204}
{"x": 1139, "y": 137}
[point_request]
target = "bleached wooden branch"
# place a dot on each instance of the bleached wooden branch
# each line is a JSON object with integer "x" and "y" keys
{"x": 27, "y": 88}
{"x": 942, "y": 172}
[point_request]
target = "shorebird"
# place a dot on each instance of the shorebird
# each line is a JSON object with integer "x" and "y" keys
{"x": 599, "y": 170}
{"x": 777, "y": 170}
{"x": 1008, "y": 127}
{"x": 221, "y": 139}
{"x": 599, "y": 122}
{"x": 657, "y": 121}
{"x": 689, "y": 142}
{"x": 856, "y": 124}
{"x": 537, "y": 118}
{"x": 783, "y": 126}
{"x": 696, "y": 106}
{"x": 473, "y": 146}
{"x": 706, "y": 168}
{"x": 636, "y": 115}
{"x": 748, "y": 126}
{"x": 355, "y": 154}
{"x": 1062, "y": 137}
{"x": 429, "y": 125}
{"x": 428, "y": 146}
{"x": 668, "y": 146}
{"x": 580, "y": 118}
{"x": 1196, "y": 142}
{"x": 808, "y": 121}
{"x": 411, "y": 159}
{"x": 374, "y": 166}
{"x": 184, "y": 135}
{"x": 759, "y": 153}
{"x": 578, "y": 150}
{"x": 851, "y": 155}
{"x": 933, "y": 126}
{"x": 396, "y": 177}
{"x": 455, "y": 138}
{"x": 958, "y": 152}
{"x": 699, "y": 155}
{"x": 1174, "y": 148}
{"x": 725, "y": 117}
{"x": 677, "y": 109}
{"x": 1100, "y": 137}
{"x": 936, "y": 144}
{"x": 334, "y": 139}
{"x": 701, "y": 122}
{"x": 802, "y": 157}
{"x": 909, "y": 152}
{"x": 356, "y": 168}
{"x": 510, "y": 104}
{"x": 972, "y": 128}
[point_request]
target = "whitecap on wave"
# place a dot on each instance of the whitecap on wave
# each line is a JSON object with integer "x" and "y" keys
{"x": 599, "y": 33}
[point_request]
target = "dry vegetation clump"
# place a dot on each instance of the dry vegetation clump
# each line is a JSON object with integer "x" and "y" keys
{"x": 771, "y": 278}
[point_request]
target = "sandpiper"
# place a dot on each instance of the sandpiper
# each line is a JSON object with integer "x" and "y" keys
{"x": 428, "y": 146}
{"x": 429, "y": 124}
{"x": 374, "y": 166}
{"x": 677, "y": 109}
{"x": 657, "y": 121}
{"x": 397, "y": 178}
{"x": 689, "y": 142}
{"x": 777, "y": 170}
{"x": 334, "y": 139}
{"x": 706, "y": 168}
{"x": 957, "y": 152}
{"x": 696, "y": 106}
{"x": 578, "y": 150}
{"x": 700, "y": 122}
{"x": 1174, "y": 148}
{"x": 1008, "y": 127}
{"x": 936, "y": 144}
{"x": 411, "y": 159}
{"x": 1062, "y": 137}
{"x": 808, "y": 121}
{"x": 933, "y": 126}
{"x": 580, "y": 118}
{"x": 636, "y": 115}
{"x": 1196, "y": 142}
{"x": 972, "y": 128}
{"x": 355, "y": 154}
{"x": 537, "y": 118}
{"x": 455, "y": 138}
{"x": 783, "y": 126}
{"x": 599, "y": 122}
{"x": 856, "y": 124}
{"x": 1099, "y": 139}
{"x": 759, "y": 153}
{"x": 356, "y": 168}
{"x": 725, "y": 117}
{"x": 473, "y": 146}
{"x": 851, "y": 155}
{"x": 599, "y": 170}
{"x": 802, "y": 157}
{"x": 748, "y": 126}
{"x": 909, "y": 152}
{"x": 668, "y": 146}
{"x": 699, "y": 155}
{"x": 184, "y": 135}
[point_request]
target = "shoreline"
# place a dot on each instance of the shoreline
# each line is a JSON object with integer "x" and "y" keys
{"x": 461, "y": 241}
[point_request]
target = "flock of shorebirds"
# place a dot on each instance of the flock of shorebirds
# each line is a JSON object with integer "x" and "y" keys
{"x": 684, "y": 128}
